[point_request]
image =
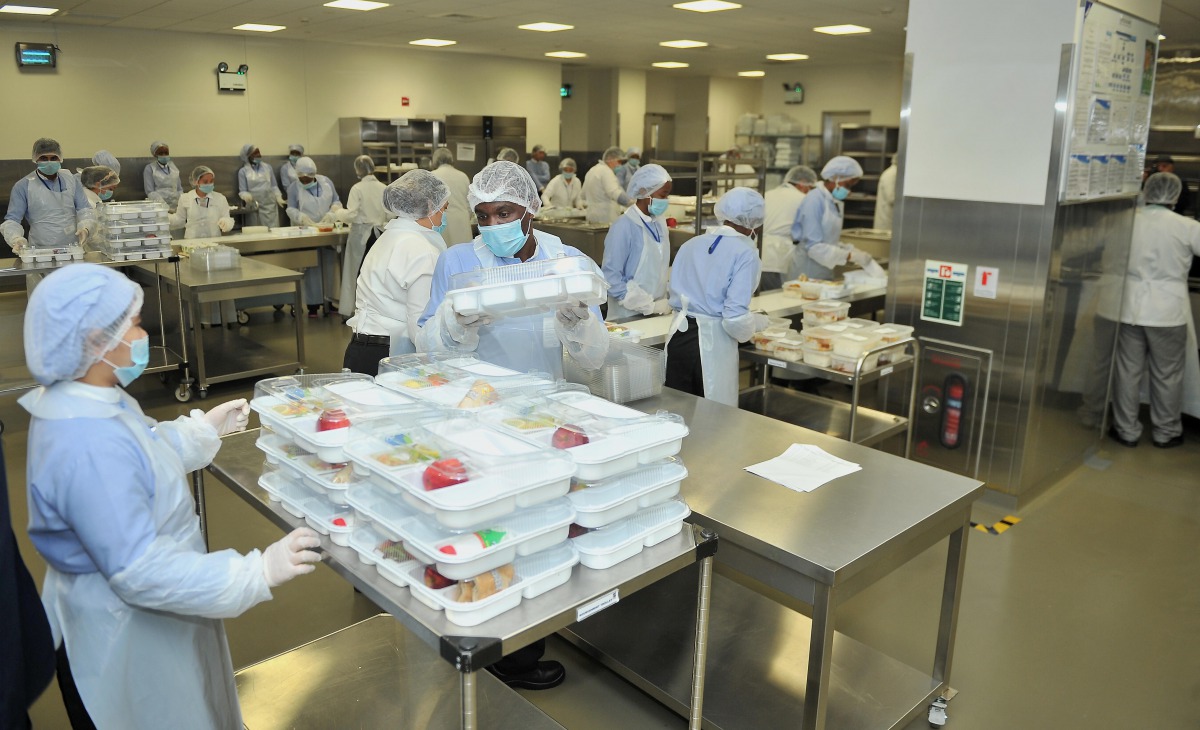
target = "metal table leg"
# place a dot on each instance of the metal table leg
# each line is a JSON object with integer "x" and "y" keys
{"x": 300, "y": 323}
{"x": 704, "y": 594}
{"x": 201, "y": 509}
{"x": 820, "y": 659}
{"x": 956, "y": 562}
{"x": 466, "y": 684}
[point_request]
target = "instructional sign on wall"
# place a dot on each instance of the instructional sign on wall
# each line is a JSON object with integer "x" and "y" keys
{"x": 987, "y": 282}
{"x": 945, "y": 286}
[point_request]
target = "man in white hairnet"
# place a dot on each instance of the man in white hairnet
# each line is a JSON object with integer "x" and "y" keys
{"x": 52, "y": 200}
{"x": 602, "y": 193}
{"x": 1156, "y": 336}
{"x": 625, "y": 170}
{"x": 313, "y": 201}
{"x": 637, "y": 248}
{"x": 712, "y": 281}
{"x": 458, "y": 227}
{"x": 538, "y": 168}
{"x": 134, "y": 598}
{"x": 393, "y": 287}
{"x": 257, "y": 188}
{"x": 783, "y": 204}
{"x": 366, "y": 215}
{"x": 818, "y": 227}
{"x": 160, "y": 178}
{"x": 508, "y": 154}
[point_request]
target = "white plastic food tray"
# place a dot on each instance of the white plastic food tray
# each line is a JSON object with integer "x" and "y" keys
{"x": 317, "y": 511}
{"x": 602, "y": 503}
{"x": 522, "y": 289}
{"x": 368, "y": 541}
{"x": 446, "y": 382}
{"x": 607, "y": 546}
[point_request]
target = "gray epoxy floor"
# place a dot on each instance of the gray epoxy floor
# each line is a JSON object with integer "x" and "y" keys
{"x": 1085, "y": 615}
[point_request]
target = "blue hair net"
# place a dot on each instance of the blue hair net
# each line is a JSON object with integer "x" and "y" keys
{"x": 743, "y": 206}
{"x": 841, "y": 168}
{"x": 104, "y": 157}
{"x": 156, "y": 144}
{"x": 646, "y": 180}
{"x": 246, "y": 150}
{"x": 306, "y": 166}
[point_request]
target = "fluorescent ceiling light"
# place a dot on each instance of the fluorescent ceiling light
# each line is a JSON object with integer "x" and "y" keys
{"x": 706, "y": 6}
{"x": 259, "y": 27}
{"x": 546, "y": 27}
{"x": 683, "y": 44}
{"x": 355, "y": 5}
{"x": 435, "y": 42}
{"x": 669, "y": 64}
{"x": 566, "y": 54}
{"x": 752, "y": 73}
{"x": 27, "y": 10}
{"x": 787, "y": 57}
{"x": 842, "y": 29}
{"x": 1161, "y": 37}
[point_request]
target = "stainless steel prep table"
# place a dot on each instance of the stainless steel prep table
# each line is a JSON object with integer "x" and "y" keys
{"x": 469, "y": 649}
{"x": 785, "y": 552}
{"x": 252, "y": 278}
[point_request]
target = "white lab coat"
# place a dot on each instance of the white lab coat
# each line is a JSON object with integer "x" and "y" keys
{"x": 561, "y": 193}
{"x": 364, "y": 212}
{"x": 146, "y": 645}
{"x": 202, "y": 217}
{"x": 1156, "y": 291}
{"x": 602, "y": 194}
{"x": 782, "y": 203}
{"x": 260, "y": 183}
{"x": 458, "y": 230}
{"x": 885, "y": 199}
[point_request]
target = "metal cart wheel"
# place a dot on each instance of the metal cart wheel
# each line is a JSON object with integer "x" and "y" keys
{"x": 202, "y": 392}
{"x": 243, "y": 317}
{"x": 183, "y": 393}
{"x": 937, "y": 713}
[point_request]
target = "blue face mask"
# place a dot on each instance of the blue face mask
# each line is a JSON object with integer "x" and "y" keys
{"x": 255, "y": 160}
{"x": 207, "y": 189}
{"x": 49, "y": 168}
{"x": 840, "y": 193}
{"x": 633, "y": 163}
{"x": 568, "y": 176}
{"x": 445, "y": 221}
{"x": 105, "y": 194}
{"x": 658, "y": 206}
{"x": 310, "y": 185}
{"x": 139, "y": 352}
{"x": 292, "y": 158}
{"x": 164, "y": 159}
{"x": 505, "y": 239}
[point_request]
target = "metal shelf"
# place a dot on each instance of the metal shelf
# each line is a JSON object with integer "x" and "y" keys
{"x": 829, "y": 417}
{"x": 902, "y": 364}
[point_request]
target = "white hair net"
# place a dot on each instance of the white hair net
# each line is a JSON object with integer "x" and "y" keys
{"x": 507, "y": 181}
{"x": 200, "y": 172}
{"x": 75, "y": 316}
{"x": 98, "y": 176}
{"x": 743, "y": 206}
{"x": 646, "y": 180}
{"x": 441, "y": 156}
{"x": 46, "y": 146}
{"x": 508, "y": 153}
{"x": 306, "y": 166}
{"x": 1163, "y": 188}
{"x": 612, "y": 153}
{"x": 363, "y": 165}
{"x": 155, "y": 145}
{"x": 104, "y": 157}
{"x": 800, "y": 174}
{"x": 567, "y": 162}
{"x": 539, "y": 148}
{"x": 417, "y": 194}
{"x": 841, "y": 168}
{"x": 246, "y": 150}
{"x": 297, "y": 148}
{"x": 633, "y": 151}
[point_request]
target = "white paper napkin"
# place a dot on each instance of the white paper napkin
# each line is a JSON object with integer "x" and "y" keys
{"x": 803, "y": 467}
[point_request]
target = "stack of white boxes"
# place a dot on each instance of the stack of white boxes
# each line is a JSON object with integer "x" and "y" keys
{"x": 135, "y": 230}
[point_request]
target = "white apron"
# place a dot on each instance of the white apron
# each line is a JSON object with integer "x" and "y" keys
{"x": 718, "y": 355}
{"x": 136, "y": 668}
{"x": 260, "y": 183}
{"x": 166, "y": 184}
{"x": 51, "y": 212}
{"x": 651, "y": 272}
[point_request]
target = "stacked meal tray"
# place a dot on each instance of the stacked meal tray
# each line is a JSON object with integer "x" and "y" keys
{"x": 530, "y": 288}
{"x": 458, "y": 381}
{"x": 30, "y": 255}
{"x": 135, "y": 230}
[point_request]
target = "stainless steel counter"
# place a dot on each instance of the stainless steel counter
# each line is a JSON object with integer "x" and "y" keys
{"x": 797, "y": 551}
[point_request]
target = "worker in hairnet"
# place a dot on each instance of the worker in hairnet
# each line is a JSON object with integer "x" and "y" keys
{"x": 508, "y": 154}
{"x": 713, "y": 278}
{"x": 818, "y": 227}
{"x": 160, "y": 178}
{"x": 729, "y": 164}
{"x": 134, "y": 598}
{"x": 538, "y": 168}
{"x": 106, "y": 159}
{"x": 1157, "y": 336}
{"x": 52, "y": 200}
{"x": 365, "y": 213}
{"x": 393, "y": 287}
{"x": 257, "y": 189}
{"x": 505, "y": 200}
{"x": 783, "y": 204}
{"x": 202, "y": 211}
{"x": 885, "y": 197}
{"x": 564, "y": 190}
{"x": 603, "y": 195}
{"x": 458, "y": 229}
{"x": 311, "y": 201}
{"x": 637, "y": 248}
{"x": 625, "y": 170}
{"x": 287, "y": 171}
{"x": 98, "y": 183}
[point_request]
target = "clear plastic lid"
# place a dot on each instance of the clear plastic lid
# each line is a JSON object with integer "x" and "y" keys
{"x": 822, "y": 336}
{"x": 295, "y": 396}
{"x": 606, "y": 494}
{"x": 855, "y": 323}
{"x": 854, "y": 343}
{"x": 599, "y": 548}
{"x": 826, "y": 309}
{"x": 386, "y": 552}
{"x": 890, "y": 333}
{"x": 531, "y": 270}
{"x": 383, "y": 505}
{"x": 453, "y": 380}
{"x": 519, "y": 289}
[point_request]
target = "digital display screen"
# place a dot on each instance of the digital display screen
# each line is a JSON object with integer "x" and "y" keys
{"x": 37, "y": 55}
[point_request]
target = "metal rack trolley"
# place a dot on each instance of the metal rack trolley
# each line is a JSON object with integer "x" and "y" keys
{"x": 163, "y": 359}
{"x": 239, "y": 464}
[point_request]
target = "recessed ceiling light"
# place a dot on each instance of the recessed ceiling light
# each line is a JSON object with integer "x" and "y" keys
{"x": 787, "y": 57}
{"x": 842, "y": 29}
{"x": 546, "y": 27}
{"x": 259, "y": 27}
{"x": 435, "y": 42}
{"x": 683, "y": 44}
{"x": 1161, "y": 37}
{"x": 27, "y": 10}
{"x": 566, "y": 54}
{"x": 706, "y": 6}
{"x": 669, "y": 64}
{"x": 752, "y": 73}
{"x": 355, "y": 5}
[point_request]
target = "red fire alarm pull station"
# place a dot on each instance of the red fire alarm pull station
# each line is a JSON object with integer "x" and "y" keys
{"x": 404, "y": 101}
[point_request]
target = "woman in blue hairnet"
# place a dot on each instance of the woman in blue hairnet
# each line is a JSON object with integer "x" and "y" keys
{"x": 313, "y": 201}
{"x": 134, "y": 600}
{"x": 714, "y": 276}
{"x": 637, "y": 248}
{"x": 161, "y": 177}
{"x": 257, "y": 189}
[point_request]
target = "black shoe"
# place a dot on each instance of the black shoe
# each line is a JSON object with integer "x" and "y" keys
{"x": 546, "y": 675}
{"x": 1170, "y": 443}
{"x": 1112, "y": 434}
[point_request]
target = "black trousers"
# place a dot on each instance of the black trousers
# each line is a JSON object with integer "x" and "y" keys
{"x": 685, "y": 371}
{"x": 363, "y": 358}
{"x": 76, "y": 712}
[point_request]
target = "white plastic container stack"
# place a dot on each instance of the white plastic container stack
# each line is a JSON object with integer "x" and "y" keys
{"x": 215, "y": 258}
{"x": 529, "y": 288}
{"x": 630, "y": 372}
{"x": 31, "y": 255}
{"x": 135, "y": 229}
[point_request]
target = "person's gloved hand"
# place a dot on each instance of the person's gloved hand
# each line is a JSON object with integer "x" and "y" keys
{"x": 860, "y": 257}
{"x": 246, "y": 196}
{"x": 571, "y": 314}
{"x": 761, "y": 321}
{"x": 82, "y": 235}
{"x": 229, "y": 417}
{"x": 463, "y": 328}
{"x": 874, "y": 269}
{"x": 225, "y": 224}
{"x": 328, "y": 219}
{"x": 281, "y": 201}
{"x": 637, "y": 299}
{"x": 290, "y": 557}
{"x": 345, "y": 216}
{"x": 306, "y": 221}
{"x": 661, "y": 306}
{"x": 19, "y": 242}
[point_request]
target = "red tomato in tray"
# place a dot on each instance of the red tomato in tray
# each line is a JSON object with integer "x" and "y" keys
{"x": 444, "y": 473}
